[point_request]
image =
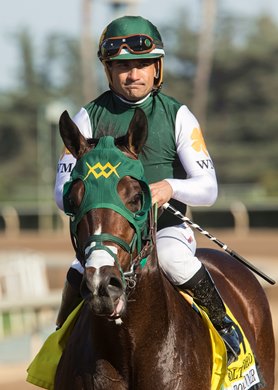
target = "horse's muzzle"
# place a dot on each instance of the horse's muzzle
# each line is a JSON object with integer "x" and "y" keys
{"x": 103, "y": 289}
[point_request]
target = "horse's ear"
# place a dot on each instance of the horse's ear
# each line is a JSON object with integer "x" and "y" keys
{"x": 74, "y": 141}
{"x": 137, "y": 132}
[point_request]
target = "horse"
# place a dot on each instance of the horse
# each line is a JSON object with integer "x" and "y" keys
{"x": 135, "y": 331}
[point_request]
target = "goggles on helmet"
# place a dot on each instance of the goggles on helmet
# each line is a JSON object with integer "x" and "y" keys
{"x": 136, "y": 44}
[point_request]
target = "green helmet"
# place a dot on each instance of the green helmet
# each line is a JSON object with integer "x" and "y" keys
{"x": 130, "y": 37}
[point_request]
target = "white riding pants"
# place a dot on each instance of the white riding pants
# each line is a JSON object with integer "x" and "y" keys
{"x": 176, "y": 247}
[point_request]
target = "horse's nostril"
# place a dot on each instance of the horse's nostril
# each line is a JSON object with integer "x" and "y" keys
{"x": 115, "y": 283}
{"x": 111, "y": 287}
{"x": 102, "y": 291}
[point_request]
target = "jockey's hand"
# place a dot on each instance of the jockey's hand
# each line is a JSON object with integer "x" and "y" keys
{"x": 161, "y": 192}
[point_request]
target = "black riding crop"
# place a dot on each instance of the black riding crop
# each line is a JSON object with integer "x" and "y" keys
{"x": 178, "y": 214}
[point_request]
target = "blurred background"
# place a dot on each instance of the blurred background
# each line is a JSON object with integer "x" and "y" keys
{"x": 221, "y": 61}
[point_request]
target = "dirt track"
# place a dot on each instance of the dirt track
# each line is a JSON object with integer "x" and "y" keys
{"x": 259, "y": 247}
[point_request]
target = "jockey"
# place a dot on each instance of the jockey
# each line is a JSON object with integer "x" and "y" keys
{"x": 176, "y": 161}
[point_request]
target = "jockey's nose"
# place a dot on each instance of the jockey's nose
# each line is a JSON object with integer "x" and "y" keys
{"x": 133, "y": 73}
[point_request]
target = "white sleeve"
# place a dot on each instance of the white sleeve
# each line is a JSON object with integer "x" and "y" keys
{"x": 200, "y": 186}
{"x": 67, "y": 161}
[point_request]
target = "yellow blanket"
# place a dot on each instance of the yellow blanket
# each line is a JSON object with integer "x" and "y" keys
{"x": 241, "y": 374}
{"x": 42, "y": 369}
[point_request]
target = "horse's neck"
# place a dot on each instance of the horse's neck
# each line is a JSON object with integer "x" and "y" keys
{"x": 146, "y": 328}
{"x": 148, "y": 312}
{"x": 149, "y": 302}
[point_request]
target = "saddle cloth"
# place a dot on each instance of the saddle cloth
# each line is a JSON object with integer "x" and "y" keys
{"x": 242, "y": 374}
{"x": 42, "y": 370}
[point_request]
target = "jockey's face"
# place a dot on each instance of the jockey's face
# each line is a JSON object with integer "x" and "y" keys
{"x": 133, "y": 79}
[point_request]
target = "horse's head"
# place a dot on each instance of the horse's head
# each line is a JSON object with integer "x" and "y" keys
{"x": 108, "y": 201}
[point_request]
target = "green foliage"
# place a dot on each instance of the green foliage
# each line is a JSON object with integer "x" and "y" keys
{"x": 39, "y": 84}
{"x": 180, "y": 61}
{"x": 242, "y": 115}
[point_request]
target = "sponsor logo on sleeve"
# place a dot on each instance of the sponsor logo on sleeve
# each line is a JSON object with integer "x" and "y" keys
{"x": 65, "y": 167}
{"x": 198, "y": 142}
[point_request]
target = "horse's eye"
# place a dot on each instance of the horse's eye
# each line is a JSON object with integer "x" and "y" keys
{"x": 71, "y": 203}
{"x": 135, "y": 203}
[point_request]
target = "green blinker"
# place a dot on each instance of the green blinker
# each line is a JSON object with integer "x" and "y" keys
{"x": 101, "y": 169}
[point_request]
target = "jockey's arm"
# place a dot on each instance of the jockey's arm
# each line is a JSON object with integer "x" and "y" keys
{"x": 200, "y": 186}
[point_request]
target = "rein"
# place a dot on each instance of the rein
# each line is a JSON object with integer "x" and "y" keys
{"x": 130, "y": 276}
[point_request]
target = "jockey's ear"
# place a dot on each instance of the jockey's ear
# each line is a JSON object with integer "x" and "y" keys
{"x": 74, "y": 141}
{"x": 137, "y": 132}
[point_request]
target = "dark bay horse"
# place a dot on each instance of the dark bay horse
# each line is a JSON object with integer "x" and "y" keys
{"x": 135, "y": 331}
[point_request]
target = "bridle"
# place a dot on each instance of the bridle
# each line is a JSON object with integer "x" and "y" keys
{"x": 128, "y": 277}
{"x": 100, "y": 171}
